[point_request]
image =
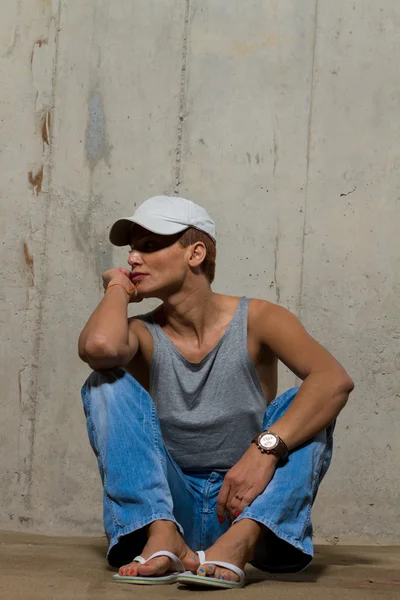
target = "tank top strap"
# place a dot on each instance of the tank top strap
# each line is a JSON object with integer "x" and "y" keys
{"x": 158, "y": 340}
{"x": 238, "y": 328}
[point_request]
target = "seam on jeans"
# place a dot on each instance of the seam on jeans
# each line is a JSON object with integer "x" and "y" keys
{"x": 162, "y": 452}
{"x": 179, "y": 473}
{"x": 154, "y": 419}
{"x": 204, "y": 512}
{"x": 290, "y": 540}
{"x": 155, "y": 356}
{"x": 206, "y": 490}
{"x": 139, "y": 525}
{"x": 101, "y": 454}
{"x": 203, "y": 529}
{"x": 154, "y": 426}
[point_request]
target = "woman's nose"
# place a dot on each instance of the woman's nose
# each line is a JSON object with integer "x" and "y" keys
{"x": 134, "y": 258}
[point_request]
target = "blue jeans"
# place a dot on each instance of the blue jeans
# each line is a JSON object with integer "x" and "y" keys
{"x": 143, "y": 483}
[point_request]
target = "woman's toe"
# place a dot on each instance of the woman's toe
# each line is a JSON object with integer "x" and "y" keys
{"x": 191, "y": 563}
{"x": 228, "y": 575}
{"x": 206, "y": 570}
{"x": 127, "y": 570}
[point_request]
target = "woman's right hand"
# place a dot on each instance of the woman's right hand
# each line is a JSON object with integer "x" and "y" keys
{"x": 122, "y": 277}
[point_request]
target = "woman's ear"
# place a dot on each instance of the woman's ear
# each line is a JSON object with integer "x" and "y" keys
{"x": 197, "y": 255}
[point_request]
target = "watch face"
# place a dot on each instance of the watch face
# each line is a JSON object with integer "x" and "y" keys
{"x": 268, "y": 441}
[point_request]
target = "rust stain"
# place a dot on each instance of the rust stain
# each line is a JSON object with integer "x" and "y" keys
{"x": 40, "y": 44}
{"x": 46, "y": 127}
{"x": 28, "y": 258}
{"x": 36, "y": 180}
{"x": 29, "y": 263}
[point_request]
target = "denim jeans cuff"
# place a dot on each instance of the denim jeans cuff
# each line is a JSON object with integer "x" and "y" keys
{"x": 139, "y": 525}
{"x": 280, "y": 534}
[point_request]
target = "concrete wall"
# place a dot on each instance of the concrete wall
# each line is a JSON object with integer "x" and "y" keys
{"x": 283, "y": 120}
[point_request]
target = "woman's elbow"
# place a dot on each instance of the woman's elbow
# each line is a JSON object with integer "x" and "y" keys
{"x": 344, "y": 387}
{"x": 347, "y": 384}
{"x": 99, "y": 354}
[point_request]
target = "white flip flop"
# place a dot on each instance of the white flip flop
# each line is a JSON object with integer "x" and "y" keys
{"x": 154, "y": 579}
{"x": 188, "y": 578}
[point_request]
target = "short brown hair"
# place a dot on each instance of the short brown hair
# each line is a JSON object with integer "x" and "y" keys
{"x": 191, "y": 236}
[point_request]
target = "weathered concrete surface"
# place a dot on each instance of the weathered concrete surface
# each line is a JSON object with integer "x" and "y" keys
{"x": 351, "y": 273}
{"x": 39, "y": 568}
{"x": 283, "y": 120}
{"x": 27, "y": 62}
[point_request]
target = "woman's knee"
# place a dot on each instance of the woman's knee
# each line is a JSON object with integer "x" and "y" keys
{"x": 107, "y": 376}
{"x": 111, "y": 386}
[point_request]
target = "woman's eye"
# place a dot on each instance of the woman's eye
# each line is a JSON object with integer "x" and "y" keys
{"x": 144, "y": 247}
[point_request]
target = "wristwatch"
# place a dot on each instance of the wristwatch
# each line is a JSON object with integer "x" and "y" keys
{"x": 270, "y": 443}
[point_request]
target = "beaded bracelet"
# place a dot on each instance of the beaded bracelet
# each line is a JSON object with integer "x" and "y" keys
{"x": 129, "y": 292}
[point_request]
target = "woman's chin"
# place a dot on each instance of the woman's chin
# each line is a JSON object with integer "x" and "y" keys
{"x": 146, "y": 293}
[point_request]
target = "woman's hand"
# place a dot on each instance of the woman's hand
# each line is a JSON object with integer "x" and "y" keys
{"x": 122, "y": 277}
{"x": 245, "y": 481}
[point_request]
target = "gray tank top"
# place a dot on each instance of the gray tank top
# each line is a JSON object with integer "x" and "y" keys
{"x": 208, "y": 410}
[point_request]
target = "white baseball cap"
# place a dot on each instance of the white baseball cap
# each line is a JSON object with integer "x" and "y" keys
{"x": 164, "y": 215}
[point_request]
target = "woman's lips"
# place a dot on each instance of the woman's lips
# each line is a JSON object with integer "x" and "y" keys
{"x": 136, "y": 277}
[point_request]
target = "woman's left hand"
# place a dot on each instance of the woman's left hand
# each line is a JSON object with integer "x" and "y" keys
{"x": 244, "y": 482}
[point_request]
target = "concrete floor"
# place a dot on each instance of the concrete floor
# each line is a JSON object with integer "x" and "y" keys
{"x": 35, "y": 567}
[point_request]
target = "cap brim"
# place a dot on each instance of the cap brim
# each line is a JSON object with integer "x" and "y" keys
{"x": 121, "y": 230}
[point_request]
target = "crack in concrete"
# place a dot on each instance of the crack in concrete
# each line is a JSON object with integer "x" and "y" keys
{"x": 309, "y": 132}
{"x": 15, "y": 33}
{"x": 275, "y": 154}
{"x": 28, "y": 413}
{"x": 276, "y": 251}
{"x": 348, "y": 193}
{"x": 182, "y": 100}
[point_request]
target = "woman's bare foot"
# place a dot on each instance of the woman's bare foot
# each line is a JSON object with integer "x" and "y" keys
{"x": 236, "y": 546}
{"x": 163, "y": 535}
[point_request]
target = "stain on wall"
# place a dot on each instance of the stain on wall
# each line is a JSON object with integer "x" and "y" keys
{"x": 46, "y": 127}
{"x": 97, "y": 146}
{"x": 29, "y": 265}
{"x": 36, "y": 180}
